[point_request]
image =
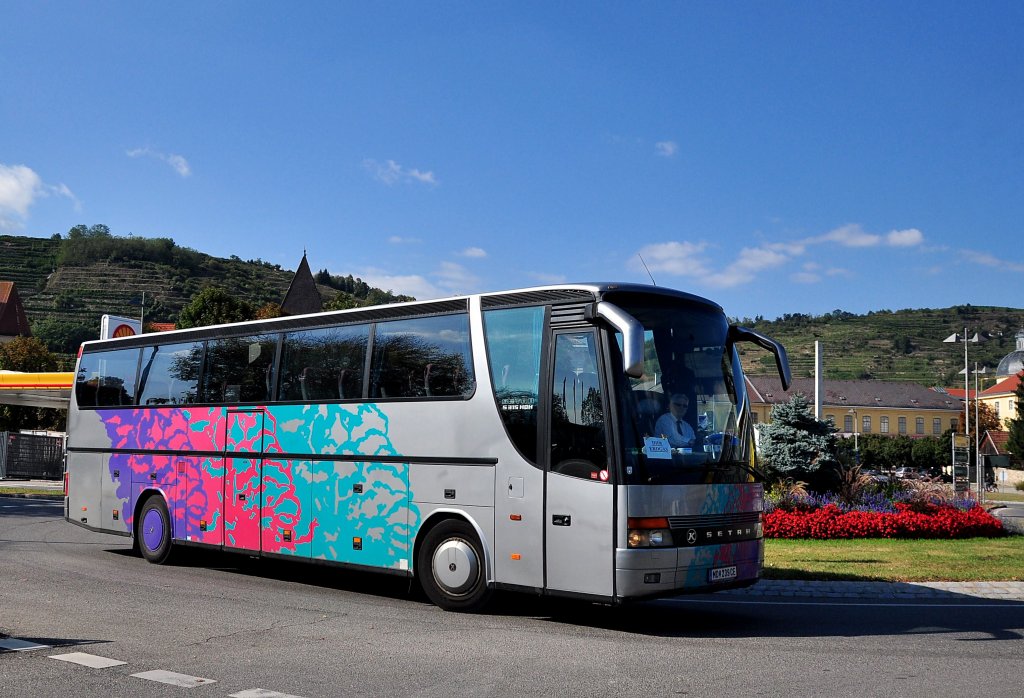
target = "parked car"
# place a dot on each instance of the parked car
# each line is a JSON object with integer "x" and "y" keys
{"x": 879, "y": 477}
{"x": 906, "y": 473}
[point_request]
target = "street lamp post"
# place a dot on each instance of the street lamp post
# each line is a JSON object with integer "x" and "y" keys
{"x": 977, "y": 432}
{"x": 976, "y": 339}
{"x": 856, "y": 432}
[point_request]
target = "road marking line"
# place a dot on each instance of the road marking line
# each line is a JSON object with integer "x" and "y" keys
{"x": 170, "y": 677}
{"x": 93, "y": 661}
{"x": 13, "y": 644}
{"x": 261, "y": 693}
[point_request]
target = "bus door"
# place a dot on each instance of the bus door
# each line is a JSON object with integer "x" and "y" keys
{"x": 243, "y": 465}
{"x": 579, "y": 522}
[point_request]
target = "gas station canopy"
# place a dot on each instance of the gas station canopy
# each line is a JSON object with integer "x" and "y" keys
{"x": 36, "y": 389}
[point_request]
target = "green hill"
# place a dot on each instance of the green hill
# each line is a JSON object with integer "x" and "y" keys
{"x": 903, "y": 345}
{"x": 72, "y": 280}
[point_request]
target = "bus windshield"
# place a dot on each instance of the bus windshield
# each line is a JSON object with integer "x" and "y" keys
{"x": 684, "y": 421}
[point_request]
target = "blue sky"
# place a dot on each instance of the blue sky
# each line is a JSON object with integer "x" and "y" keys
{"x": 776, "y": 157}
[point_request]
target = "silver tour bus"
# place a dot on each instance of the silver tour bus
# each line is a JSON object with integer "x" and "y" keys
{"x": 590, "y": 441}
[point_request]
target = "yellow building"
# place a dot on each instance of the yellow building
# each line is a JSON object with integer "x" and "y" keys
{"x": 1001, "y": 398}
{"x": 864, "y": 407}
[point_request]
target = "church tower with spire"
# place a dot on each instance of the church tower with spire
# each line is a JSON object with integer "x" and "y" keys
{"x": 302, "y": 297}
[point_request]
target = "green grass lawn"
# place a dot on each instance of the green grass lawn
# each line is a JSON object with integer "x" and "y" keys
{"x": 29, "y": 490}
{"x": 964, "y": 560}
{"x": 1004, "y": 496}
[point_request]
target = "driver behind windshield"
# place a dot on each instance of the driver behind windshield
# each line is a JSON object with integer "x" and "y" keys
{"x": 673, "y": 425}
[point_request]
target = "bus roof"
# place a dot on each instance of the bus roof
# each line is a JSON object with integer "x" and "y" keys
{"x": 557, "y": 293}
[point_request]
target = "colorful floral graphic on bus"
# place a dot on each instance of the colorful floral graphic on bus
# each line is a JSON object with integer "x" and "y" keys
{"x": 326, "y": 506}
{"x": 745, "y": 555}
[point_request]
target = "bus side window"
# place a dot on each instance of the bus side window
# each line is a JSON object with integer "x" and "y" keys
{"x": 107, "y": 379}
{"x": 577, "y": 409}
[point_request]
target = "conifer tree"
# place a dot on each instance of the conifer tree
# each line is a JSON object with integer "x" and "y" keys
{"x": 795, "y": 444}
{"x": 1015, "y": 442}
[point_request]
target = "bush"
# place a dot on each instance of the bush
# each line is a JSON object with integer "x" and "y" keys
{"x": 1019, "y": 486}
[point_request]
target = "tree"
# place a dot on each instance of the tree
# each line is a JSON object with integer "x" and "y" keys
{"x": 795, "y": 444}
{"x": 61, "y": 336}
{"x": 1015, "y": 442}
{"x": 987, "y": 419}
{"x": 267, "y": 311}
{"x": 342, "y": 301}
{"x": 931, "y": 453}
{"x": 213, "y": 306}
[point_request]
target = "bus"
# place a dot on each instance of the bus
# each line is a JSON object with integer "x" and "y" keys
{"x": 503, "y": 440}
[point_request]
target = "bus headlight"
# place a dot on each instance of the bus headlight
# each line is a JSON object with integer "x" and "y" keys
{"x": 648, "y": 533}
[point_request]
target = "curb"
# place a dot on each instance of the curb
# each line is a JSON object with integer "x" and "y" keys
{"x": 887, "y": 591}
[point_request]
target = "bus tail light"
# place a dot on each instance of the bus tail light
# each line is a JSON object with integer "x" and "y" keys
{"x": 651, "y": 532}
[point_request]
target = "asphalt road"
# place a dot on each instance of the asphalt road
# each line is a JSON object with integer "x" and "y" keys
{"x": 314, "y": 631}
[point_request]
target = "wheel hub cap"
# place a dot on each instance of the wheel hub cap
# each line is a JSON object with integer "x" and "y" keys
{"x": 456, "y": 566}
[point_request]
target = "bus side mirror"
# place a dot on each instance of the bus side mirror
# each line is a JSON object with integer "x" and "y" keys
{"x": 632, "y": 335}
{"x": 745, "y": 334}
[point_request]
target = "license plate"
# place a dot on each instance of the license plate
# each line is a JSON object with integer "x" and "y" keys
{"x": 721, "y": 574}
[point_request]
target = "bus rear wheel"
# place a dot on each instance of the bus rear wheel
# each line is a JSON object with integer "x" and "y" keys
{"x": 451, "y": 567}
{"x": 153, "y": 531}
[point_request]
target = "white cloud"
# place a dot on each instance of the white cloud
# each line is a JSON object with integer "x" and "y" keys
{"x": 691, "y": 259}
{"x": 399, "y": 240}
{"x": 905, "y": 238}
{"x": 425, "y": 177}
{"x": 666, "y": 149}
{"x": 851, "y": 235}
{"x": 751, "y": 261}
{"x": 449, "y": 279}
{"x": 676, "y": 258}
{"x": 176, "y": 162}
{"x": 989, "y": 260}
{"x": 390, "y": 172}
{"x": 474, "y": 252}
{"x": 456, "y": 279}
{"x": 414, "y": 285}
{"x": 20, "y": 187}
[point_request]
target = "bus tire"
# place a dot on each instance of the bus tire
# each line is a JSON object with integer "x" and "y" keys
{"x": 451, "y": 567}
{"x": 153, "y": 531}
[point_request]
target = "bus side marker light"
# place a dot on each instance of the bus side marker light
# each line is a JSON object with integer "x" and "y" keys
{"x": 287, "y": 536}
{"x": 515, "y": 517}
{"x": 517, "y": 556}
{"x": 357, "y": 543}
{"x": 652, "y": 578}
{"x": 202, "y": 525}
{"x": 115, "y": 514}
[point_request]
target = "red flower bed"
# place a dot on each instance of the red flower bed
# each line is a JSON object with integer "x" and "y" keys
{"x": 929, "y": 521}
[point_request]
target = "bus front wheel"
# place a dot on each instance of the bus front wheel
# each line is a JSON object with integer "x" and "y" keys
{"x": 153, "y": 531}
{"x": 451, "y": 567}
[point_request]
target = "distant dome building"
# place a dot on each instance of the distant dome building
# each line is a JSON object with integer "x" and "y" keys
{"x": 1012, "y": 363}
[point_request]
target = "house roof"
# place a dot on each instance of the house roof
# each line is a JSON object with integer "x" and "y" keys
{"x": 994, "y": 442}
{"x": 854, "y": 393}
{"x": 160, "y": 326}
{"x": 13, "y": 320}
{"x": 958, "y": 393}
{"x": 1003, "y": 387}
